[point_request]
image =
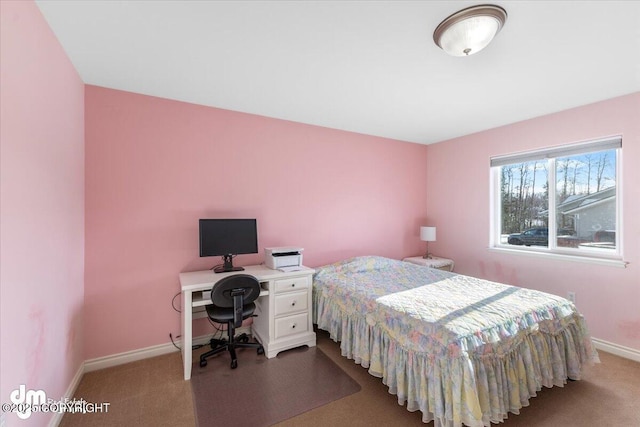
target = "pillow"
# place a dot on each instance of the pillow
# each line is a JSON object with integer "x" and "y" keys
{"x": 356, "y": 265}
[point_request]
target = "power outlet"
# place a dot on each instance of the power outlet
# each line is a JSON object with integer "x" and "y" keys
{"x": 571, "y": 296}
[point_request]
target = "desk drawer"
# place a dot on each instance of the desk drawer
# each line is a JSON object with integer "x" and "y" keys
{"x": 293, "y": 284}
{"x": 291, "y": 325}
{"x": 291, "y": 302}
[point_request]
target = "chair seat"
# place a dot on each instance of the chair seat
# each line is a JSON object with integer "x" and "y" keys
{"x": 224, "y": 314}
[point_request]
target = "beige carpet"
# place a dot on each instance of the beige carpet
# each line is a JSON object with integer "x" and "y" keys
{"x": 153, "y": 393}
{"x": 261, "y": 391}
{"x": 149, "y": 392}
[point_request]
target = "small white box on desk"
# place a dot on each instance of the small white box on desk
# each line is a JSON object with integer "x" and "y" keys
{"x": 287, "y": 257}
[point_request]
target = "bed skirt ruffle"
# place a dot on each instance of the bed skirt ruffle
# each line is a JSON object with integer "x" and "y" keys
{"x": 470, "y": 389}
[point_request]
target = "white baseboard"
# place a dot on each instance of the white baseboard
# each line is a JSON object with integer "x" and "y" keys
{"x": 145, "y": 353}
{"x": 618, "y": 350}
{"x": 57, "y": 416}
{"x": 128, "y": 356}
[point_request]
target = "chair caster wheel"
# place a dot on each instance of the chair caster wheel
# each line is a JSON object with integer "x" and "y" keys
{"x": 234, "y": 364}
{"x": 203, "y": 363}
{"x": 260, "y": 350}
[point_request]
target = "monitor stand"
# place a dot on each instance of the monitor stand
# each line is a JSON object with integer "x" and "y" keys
{"x": 227, "y": 265}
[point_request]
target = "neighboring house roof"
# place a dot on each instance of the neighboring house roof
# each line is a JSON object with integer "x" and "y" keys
{"x": 575, "y": 204}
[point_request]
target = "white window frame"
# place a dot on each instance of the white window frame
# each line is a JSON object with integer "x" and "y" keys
{"x": 600, "y": 256}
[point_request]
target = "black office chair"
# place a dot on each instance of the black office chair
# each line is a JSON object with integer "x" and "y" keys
{"x": 232, "y": 299}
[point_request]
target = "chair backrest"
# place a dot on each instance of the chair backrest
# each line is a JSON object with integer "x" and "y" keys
{"x": 235, "y": 292}
{"x": 223, "y": 292}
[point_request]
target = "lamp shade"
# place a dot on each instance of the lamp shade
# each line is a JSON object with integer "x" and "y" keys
{"x": 469, "y": 30}
{"x": 428, "y": 234}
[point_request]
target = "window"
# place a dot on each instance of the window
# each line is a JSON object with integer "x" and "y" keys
{"x": 562, "y": 200}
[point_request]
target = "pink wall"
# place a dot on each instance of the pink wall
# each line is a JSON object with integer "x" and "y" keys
{"x": 609, "y": 297}
{"x": 154, "y": 166}
{"x": 41, "y": 209}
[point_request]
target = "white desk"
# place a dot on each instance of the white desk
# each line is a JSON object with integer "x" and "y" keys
{"x": 283, "y": 309}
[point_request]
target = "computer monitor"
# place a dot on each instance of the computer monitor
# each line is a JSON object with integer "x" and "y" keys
{"x": 228, "y": 238}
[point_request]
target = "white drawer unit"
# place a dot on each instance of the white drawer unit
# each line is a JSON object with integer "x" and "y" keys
{"x": 291, "y": 325}
{"x": 292, "y": 302}
{"x": 284, "y": 318}
{"x": 293, "y": 284}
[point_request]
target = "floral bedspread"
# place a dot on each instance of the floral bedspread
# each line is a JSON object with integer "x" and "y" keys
{"x": 458, "y": 348}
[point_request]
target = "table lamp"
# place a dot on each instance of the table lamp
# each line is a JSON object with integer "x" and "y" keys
{"x": 427, "y": 234}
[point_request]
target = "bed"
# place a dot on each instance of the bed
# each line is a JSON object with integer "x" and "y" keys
{"x": 462, "y": 350}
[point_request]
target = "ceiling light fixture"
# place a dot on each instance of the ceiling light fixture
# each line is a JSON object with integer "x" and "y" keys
{"x": 469, "y": 30}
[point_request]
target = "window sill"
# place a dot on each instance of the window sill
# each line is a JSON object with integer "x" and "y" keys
{"x": 612, "y": 262}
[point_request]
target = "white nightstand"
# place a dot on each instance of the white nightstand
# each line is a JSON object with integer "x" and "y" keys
{"x": 434, "y": 262}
